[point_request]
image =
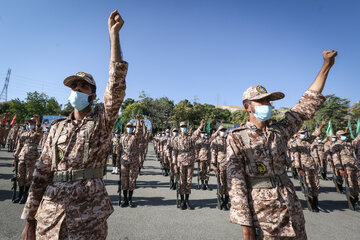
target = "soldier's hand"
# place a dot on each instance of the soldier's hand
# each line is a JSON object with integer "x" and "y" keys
{"x": 13, "y": 162}
{"x": 248, "y": 233}
{"x": 342, "y": 173}
{"x": 203, "y": 122}
{"x": 115, "y": 22}
{"x": 329, "y": 57}
{"x": 323, "y": 123}
{"x": 215, "y": 169}
{"x": 301, "y": 172}
{"x": 175, "y": 169}
{"x": 138, "y": 116}
{"x": 29, "y": 231}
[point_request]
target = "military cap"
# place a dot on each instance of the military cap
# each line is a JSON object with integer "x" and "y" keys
{"x": 129, "y": 124}
{"x": 258, "y": 92}
{"x": 31, "y": 120}
{"x": 222, "y": 128}
{"x": 167, "y": 130}
{"x": 87, "y": 77}
{"x": 340, "y": 132}
{"x": 175, "y": 130}
{"x": 302, "y": 131}
{"x": 183, "y": 124}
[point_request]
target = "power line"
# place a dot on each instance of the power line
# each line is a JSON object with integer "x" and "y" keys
{"x": 3, "y": 95}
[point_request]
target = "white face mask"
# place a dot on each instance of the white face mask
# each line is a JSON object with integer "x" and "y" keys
{"x": 222, "y": 134}
{"x": 183, "y": 129}
{"x": 175, "y": 134}
{"x": 79, "y": 100}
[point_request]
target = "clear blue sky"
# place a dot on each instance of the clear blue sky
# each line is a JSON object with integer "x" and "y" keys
{"x": 209, "y": 50}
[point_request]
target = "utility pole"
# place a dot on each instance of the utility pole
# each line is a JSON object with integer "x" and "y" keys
{"x": 3, "y": 95}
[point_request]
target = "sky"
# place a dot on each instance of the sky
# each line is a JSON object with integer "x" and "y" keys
{"x": 204, "y": 50}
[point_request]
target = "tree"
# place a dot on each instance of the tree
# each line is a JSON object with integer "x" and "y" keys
{"x": 240, "y": 116}
{"x": 126, "y": 103}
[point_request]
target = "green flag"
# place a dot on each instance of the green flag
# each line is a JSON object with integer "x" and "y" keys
{"x": 350, "y": 129}
{"x": 208, "y": 128}
{"x": 358, "y": 127}
{"x": 329, "y": 130}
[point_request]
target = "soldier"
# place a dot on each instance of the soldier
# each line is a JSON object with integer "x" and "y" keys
{"x": 356, "y": 145}
{"x": 291, "y": 155}
{"x": 183, "y": 154}
{"x": 68, "y": 198}
{"x": 219, "y": 162}
{"x": 168, "y": 153}
{"x": 12, "y": 137}
{"x": 344, "y": 161}
{"x": 44, "y": 137}
{"x": 203, "y": 156}
{"x": 26, "y": 155}
{"x": 115, "y": 151}
{"x": 263, "y": 199}
{"x": 128, "y": 161}
{"x": 307, "y": 167}
{"x": 142, "y": 147}
{"x": 165, "y": 140}
{"x": 4, "y": 129}
{"x": 318, "y": 151}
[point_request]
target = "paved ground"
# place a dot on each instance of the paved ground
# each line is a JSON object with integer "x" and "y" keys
{"x": 157, "y": 217}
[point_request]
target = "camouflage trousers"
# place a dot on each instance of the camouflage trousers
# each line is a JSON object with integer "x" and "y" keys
{"x": 324, "y": 164}
{"x": 25, "y": 171}
{"x": 166, "y": 162}
{"x": 353, "y": 179}
{"x": 129, "y": 173}
{"x": 312, "y": 181}
{"x": 97, "y": 232}
{"x": 223, "y": 180}
{"x": 172, "y": 171}
{"x": 205, "y": 170}
{"x": 186, "y": 174}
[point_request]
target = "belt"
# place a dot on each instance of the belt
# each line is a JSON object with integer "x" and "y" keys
{"x": 268, "y": 182}
{"x": 79, "y": 174}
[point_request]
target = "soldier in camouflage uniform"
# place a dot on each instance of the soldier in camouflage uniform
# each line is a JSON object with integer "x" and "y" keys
{"x": 183, "y": 154}
{"x": 307, "y": 166}
{"x": 318, "y": 151}
{"x": 203, "y": 155}
{"x": 356, "y": 145}
{"x": 13, "y": 136}
{"x": 168, "y": 153}
{"x": 263, "y": 199}
{"x": 115, "y": 151}
{"x": 68, "y": 198}
{"x": 219, "y": 162}
{"x": 143, "y": 146}
{"x": 128, "y": 161}
{"x": 345, "y": 162}
{"x": 26, "y": 155}
{"x": 291, "y": 155}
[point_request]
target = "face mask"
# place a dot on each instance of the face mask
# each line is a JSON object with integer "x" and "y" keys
{"x": 167, "y": 134}
{"x": 302, "y": 136}
{"x": 343, "y": 138}
{"x": 129, "y": 130}
{"x": 293, "y": 140}
{"x": 183, "y": 129}
{"x": 263, "y": 112}
{"x": 202, "y": 135}
{"x": 116, "y": 135}
{"x": 206, "y": 136}
{"x": 79, "y": 100}
{"x": 222, "y": 134}
{"x": 333, "y": 139}
{"x": 175, "y": 134}
{"x": 319, "y": 140}
{"x": 27, "y": 127}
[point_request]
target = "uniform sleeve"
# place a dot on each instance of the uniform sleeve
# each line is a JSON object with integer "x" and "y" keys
{"x": 297, "y": 157}
{"x": 336, "y": 156}
{"x": 240, "y": 212}
{"x": 40, "y": 180}
{"x": 175, "y": 151}
{"x": 19, "y": 146}
{"x": 114, "y": 92}
{"x": 196, "y": 134}
{"x": 309, "y": 103}
{"x": 213, "y": 149}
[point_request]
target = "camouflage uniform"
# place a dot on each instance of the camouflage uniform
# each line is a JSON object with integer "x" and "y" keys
{"x": 168, "y": 153}
{"x": 203, "y": 154}
{"x": 274, "y": 211}
{"x": 318, "y": 151}
{"x": 342, "y": 155}
{"x": 356, "y": 145}
{"x": 43, "y": 139}
{"x": 218, "y": 158}
{"x": 67, "y": 207}
{"x": 114, "y": 152}
{"x": 12, "y": 137}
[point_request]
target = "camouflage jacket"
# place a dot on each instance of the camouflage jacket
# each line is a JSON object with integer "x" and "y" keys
{"x": 129, "y": 147}
{"x": 27, "y": 145}
{"x": 43, "y": 139}
{"x": 303, "y": 156}
{"x": 343, "y": 155}
{"x": 318, "y": 150}
{"x": 356, "y": 144}
{"x": 327, "y": 151}
{"x": 83, "y": 203}
{"x": 202, "y": 150}
{"x": 266, "y": 208}
{"x": 218, "y": 151}
{"x": 183, "y": 151}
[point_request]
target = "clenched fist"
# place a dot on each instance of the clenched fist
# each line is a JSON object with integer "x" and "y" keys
{"x": 329, "y": 56}
{"x": 115, "y": 22}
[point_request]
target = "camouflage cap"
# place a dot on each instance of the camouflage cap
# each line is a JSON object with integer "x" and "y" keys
{"x": 129, "y": 124}
{"x": 340, "y": 132}
{"x": 175, "y": 130}
{"x": 183, "y": 124}
{"x": 301, "y": 131}
{"x": 87, "y": 77}
{"x": 258, "y": 92}
{"x": 30, "y": 120}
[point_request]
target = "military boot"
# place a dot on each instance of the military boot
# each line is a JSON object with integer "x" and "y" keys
{"x": 166, "y": 172}
{"x": 172, "y": 183}
{"x": 203, "y": 187}
{"x": 188, "y": 203}
{"x": 126, "y": 200}
{"x": 131, "y": 204}
{"x": 25, "y": 195}
{"x": 226, "y": 203}
{"x": 207, "y": 185}
{"x": 315, "y": 204}
{"x": 182, "y": 202}
{"x": 21, "y": 193}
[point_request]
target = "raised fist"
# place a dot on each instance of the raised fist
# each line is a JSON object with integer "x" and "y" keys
{"x": 329, "y": 56}
{"x": 115, "y": 22}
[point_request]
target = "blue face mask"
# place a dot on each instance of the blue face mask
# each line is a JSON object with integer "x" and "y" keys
{"x": 32, "y": 127}
{"x": 183, "y": 129}
{"x": 79, "y": 100}
{"x": 175, "y": 133}
{"x": 202, "y": 135}
{"x": 167, "y": 134}
{"x": 222, "y": 134}
{"x": 344, "y": 138}
{"x": 319, "y": 140}
{"x": 129, "y": 130}
{"x": 116, "y": 135}
{"x": 263, "y": 112}
{"x": 333, "y": 139}
{"x": 302, "y": 136}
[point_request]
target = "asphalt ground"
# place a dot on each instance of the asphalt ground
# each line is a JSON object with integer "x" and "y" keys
{"x": 156, "y": 215}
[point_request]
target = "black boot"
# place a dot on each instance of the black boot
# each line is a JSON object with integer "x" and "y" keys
{"x": 188, "y": 203}
{"x": 131, "y": 204}
{"x": 21, "y": 193}
{"x": 172, "y": 183}
{"x": 207, "y": 185}
{"x": 203, "y": 187}
{"x": 226, "y": 203}
{"x": 25, "y": 195}
{"x": 174, "y": 186}
{"x": 315, "y": 204}
{"x": 166, "y": 172}
{"x": 126, "y": 200}
{"x": 182, "y": 202}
